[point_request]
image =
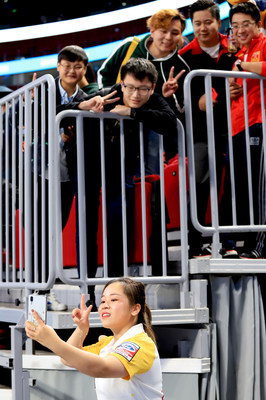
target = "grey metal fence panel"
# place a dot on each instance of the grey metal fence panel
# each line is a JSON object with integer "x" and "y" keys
{"x": 27, "y": 207}
{"x": 83, "y": 280}
{"x": 215, "y": 228}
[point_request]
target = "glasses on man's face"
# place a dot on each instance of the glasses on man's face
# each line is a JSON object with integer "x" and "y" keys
{"x": 143, "y": 90}
{"x": 68, "y": 67}
{"x": 245, "y": 25}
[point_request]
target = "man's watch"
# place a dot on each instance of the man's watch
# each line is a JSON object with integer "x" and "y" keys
{"x": 238, "y": 65}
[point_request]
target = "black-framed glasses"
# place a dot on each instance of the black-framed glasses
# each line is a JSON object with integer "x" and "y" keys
{"x": 143, "y": 90}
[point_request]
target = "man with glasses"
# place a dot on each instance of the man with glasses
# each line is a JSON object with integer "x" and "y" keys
{"x": 262, "y": 7}
{"x": 71, "y": 66}
{"x": 138, "y": 100}
{"x": 208, "y": 50}
{"x": 245, "y": 19}
{"x": 161, "y": 47}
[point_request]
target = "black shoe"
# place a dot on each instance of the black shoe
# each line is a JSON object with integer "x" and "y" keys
{"x": 253, "y": 255}
{"x": 91, "y": 302}
{"x": 206, "y": 252}
{"x": 229, "y": 253}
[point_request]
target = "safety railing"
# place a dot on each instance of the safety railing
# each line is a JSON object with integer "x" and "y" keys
{"x": 84, "y": 279}
{"x": 216, "y": 228}
{"x": 31, "y": 238}
{"x": 27, "y": 207}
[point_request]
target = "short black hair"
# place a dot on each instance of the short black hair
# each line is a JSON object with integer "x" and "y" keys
{"x": 202, "y": 5}
{"x": 140, "y": 68}
{"x": 246, "y": 8}
{"x": 73, "y": 53}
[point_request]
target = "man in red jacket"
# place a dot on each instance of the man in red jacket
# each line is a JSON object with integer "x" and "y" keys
{"x": 245, "y": 20}
{"x": 208, "y": 50}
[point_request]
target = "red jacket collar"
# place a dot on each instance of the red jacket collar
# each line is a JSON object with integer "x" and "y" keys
{"x": 196, "y": 49}
{"x": 253, "y": 43}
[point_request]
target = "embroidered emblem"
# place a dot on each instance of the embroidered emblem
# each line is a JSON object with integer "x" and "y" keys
{"x": 255, "y": 57}
{"x": 127, "y": 350}
{"x": 254, "y": 141}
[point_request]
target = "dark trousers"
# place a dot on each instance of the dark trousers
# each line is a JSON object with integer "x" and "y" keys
{"x": 253, "y": 240}
{"x": 203, "y": 190}
{"x": 39, "y": 244}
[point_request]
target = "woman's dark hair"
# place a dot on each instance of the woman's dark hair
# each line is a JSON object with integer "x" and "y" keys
{"x": 73, "y": 53}
{"x": 202, "y": 5}
{"x": 246, "y": 8}
{"x": 90, "y": 75}
{"x": 140, "y": 68}
{"x": 135, "y": 292}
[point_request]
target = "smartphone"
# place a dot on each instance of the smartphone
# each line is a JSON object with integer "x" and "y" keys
{"x": 37, "y": 303}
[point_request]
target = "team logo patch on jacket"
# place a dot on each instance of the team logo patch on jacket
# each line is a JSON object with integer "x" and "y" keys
{"x": 255, "y": 56}
{"x": 127, "y": 350}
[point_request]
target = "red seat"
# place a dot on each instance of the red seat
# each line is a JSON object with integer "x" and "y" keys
{"x": 135, "y": 250}
{"x": 171, "y": 184}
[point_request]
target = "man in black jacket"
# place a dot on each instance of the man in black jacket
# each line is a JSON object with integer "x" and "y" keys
{"x": 136, "y": 99}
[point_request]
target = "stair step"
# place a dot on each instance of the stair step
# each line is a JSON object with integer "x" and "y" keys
{"x": 5, "y": 393}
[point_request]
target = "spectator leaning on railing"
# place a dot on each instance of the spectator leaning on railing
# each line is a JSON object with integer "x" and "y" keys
{"x": 137, "y": 99}
{"x": 161, "y": 47}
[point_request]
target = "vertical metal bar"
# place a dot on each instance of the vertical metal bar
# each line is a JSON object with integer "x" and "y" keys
{"x": 55, "y": 187}
{"x": 212, "y": 166}
{"x": 53, "y": 177}
{"x": 17, "y": 371}
{"x": 35, "y": 198}
{"x": 105, "y": 258}
{"x": 250, "y": 193}
{"x": 28, "y": 188}
{"x": 231, "y": 151}
{"x": 21, "y": 132}
{"x": 162, "y": 198}
{"x": 81, "y": 199}
{"x": 14, "y": 189}
{"x": 6, "y": 233}
{"x": 184, "y": 295}
{"x": 143, "y": 201}
{"x": 45, "y": 208}
{"x": 123, "y": 195}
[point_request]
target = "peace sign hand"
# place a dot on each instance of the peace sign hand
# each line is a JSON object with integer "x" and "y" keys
{"x": 171, "y": 86}
{"x": 81, "y": 316}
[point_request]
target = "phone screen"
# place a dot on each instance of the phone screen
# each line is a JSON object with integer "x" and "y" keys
{"x": 37, "y": 303}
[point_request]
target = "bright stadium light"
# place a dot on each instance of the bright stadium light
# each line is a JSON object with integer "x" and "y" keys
{"x": 90, "y": 22}
{"x": 94, "y": 53}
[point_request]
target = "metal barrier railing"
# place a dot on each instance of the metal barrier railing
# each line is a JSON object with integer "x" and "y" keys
{"x": 83, "y": 279}
{"x": 27, "y": 182}
{"x": 215, "y": 228}
{"x": 30, "y": 203}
